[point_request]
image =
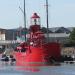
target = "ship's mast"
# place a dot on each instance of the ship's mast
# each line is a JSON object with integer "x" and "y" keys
{"x": 47, "y": 21}
{"x": 25, "y": 19}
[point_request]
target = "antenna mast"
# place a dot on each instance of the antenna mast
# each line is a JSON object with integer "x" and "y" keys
{"x": 47, "y": 21}
{"x": 25, "y": 18}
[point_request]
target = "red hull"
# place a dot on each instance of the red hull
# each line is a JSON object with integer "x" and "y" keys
{"x": 38, "y": 55}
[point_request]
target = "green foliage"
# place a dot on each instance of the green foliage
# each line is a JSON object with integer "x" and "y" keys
{"x": 72, "y": 36}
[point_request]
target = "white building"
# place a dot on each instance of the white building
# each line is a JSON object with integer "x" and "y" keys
{"x": 60, "y": 37}
{"x": 2, "y": 34}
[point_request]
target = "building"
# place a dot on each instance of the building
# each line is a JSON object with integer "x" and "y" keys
{"x": 68, "y": 51}
{"x": 61, "y": 29}
{"x": 60, "y": 34}
{"x": 59, "y": 37}
{"x": 2, "y": 34}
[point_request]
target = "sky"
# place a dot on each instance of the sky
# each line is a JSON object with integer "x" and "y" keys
{"x": 61, "y": 13}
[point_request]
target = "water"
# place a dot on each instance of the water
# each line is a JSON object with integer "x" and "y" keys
{"x": 65, "y": 69}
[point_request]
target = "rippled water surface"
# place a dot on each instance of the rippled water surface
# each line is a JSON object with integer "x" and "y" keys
{"x": 65, "y": 69}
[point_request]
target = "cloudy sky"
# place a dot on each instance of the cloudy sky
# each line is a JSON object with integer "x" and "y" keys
{"x": 61, "y": 13}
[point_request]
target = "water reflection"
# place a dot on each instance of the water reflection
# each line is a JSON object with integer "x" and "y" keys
{"x": 28, "y": 69}
{"x": 12, "y": 69}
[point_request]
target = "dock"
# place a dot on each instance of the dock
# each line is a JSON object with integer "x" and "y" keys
{"x": 70, "y": 62}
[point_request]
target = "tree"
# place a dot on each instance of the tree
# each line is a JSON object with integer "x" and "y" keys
{"x": 72, "y": 36}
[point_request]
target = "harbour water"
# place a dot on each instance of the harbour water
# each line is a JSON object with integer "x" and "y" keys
{"x": 64, "y": 69}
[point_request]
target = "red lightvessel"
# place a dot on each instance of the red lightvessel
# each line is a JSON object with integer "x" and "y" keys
{"x": 36, "y": 51}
